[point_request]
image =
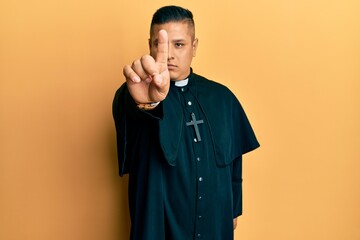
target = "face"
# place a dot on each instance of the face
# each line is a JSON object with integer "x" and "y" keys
{"x": 182, "y": 47}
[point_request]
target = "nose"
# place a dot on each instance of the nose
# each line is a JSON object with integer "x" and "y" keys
{"x": 170, "y": 52}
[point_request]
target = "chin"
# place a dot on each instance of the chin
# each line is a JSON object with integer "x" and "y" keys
{"x": 176, "y": 76}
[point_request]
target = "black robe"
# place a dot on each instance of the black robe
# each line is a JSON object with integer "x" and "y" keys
{"x": 183, "y": 184}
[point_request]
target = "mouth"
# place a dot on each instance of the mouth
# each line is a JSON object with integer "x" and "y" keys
{"x": 171, "y": 66}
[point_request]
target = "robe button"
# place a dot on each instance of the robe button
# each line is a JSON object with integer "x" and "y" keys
{"x": 198, "y": 159}
{"x": 198, "y": 235}
{"x": 200, "y": 179}
{"x": 200, "y": 197}
{"x": 189, "y": 103}
{"x": 199, "y": 217}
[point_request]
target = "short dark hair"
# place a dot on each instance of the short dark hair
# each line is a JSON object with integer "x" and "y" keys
{"x": 172, "y": 14}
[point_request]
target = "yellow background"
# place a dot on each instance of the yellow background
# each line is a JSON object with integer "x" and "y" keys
{"x": 294, "y": 65}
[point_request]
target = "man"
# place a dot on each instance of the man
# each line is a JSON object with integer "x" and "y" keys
{"x": 180, "y": 138}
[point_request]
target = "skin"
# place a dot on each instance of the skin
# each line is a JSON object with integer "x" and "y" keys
{"x": 172, "y": 48}
{"x": 182, "y": 47}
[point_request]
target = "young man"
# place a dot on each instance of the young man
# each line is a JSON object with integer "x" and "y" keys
{"x": 180, "y": 138}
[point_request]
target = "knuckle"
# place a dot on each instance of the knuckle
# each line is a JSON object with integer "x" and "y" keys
{"x": 145, "y": 58}
{"x": 126, "y": 70}
{"x": 135, "y": 63}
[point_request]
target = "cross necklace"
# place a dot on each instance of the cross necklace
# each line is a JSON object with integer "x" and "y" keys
{"x": 195, "y": 123}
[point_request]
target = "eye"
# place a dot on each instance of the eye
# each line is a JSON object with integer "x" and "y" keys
{"x": 179, "y": 45}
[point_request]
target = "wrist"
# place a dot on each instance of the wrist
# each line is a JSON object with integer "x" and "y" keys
{"x": 147, "y": 106}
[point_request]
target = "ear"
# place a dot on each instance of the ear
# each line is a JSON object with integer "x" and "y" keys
{"x": 194, "y": 46}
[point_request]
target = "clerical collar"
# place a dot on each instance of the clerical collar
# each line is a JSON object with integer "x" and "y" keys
{"x": 182, "y": 83}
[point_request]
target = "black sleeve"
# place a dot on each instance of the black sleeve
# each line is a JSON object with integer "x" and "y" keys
{"x": 237, "y": 186}
{"x": 126, "y": 117}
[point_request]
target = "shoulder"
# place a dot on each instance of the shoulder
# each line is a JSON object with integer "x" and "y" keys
{"x": 210, "y": 87}
{"x": 203, "y": 81}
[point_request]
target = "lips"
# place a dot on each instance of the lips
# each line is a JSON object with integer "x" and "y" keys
{"x": 171, "y": 66}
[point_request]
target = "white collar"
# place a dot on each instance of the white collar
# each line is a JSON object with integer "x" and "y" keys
{"x": 182, "y": 83}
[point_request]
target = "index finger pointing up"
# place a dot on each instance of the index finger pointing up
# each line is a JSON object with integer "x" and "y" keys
{"x": 162, "y": 48}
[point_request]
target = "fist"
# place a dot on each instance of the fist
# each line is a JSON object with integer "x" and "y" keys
{"x": 148, "y": 78}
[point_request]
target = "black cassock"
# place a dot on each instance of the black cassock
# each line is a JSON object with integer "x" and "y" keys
{"x": 184, "y": 160}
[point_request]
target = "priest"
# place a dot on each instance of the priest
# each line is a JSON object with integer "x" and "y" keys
{"x": 181, "y": 138}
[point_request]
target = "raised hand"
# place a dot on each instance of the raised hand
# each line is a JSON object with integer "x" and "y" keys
{"x": 148, "y": 79}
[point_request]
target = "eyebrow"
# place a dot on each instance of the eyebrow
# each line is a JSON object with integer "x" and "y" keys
{"x": 179, "y": 40}
{"x": 173, "y": 41}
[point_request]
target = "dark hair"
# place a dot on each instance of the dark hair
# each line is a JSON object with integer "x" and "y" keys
{"x": 172, "y": 14}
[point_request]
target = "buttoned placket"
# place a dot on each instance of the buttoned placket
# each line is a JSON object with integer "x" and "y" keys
{"x": 200, "y": 180}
